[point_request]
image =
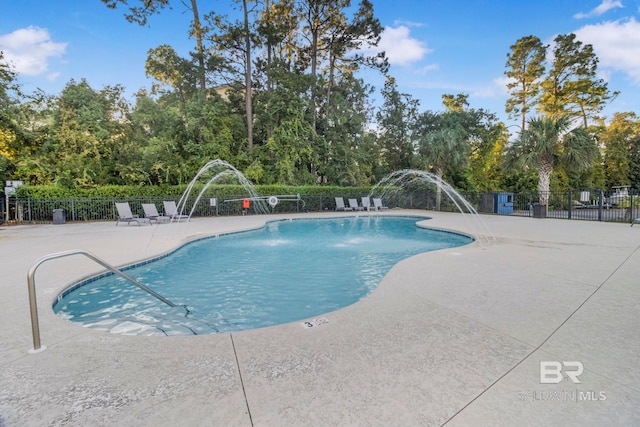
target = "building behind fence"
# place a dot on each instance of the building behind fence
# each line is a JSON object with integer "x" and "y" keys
{"x": 617, "y": 205}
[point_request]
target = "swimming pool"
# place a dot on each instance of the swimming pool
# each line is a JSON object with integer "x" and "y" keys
{"x": 286, "y": 271}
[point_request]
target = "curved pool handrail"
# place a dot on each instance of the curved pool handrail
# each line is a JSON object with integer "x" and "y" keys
{"x": 35, "y": 326}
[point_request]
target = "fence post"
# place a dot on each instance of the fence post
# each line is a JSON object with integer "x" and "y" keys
{"x": 570, "y": 201}
{"x": 600, "y": 204}
{"x": 631, "y": 215}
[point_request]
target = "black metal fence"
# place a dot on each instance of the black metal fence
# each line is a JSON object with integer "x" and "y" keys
{"x": 34, "y": 211}
{"x": 617, "y": 205}
{"x": 591, "y": 205}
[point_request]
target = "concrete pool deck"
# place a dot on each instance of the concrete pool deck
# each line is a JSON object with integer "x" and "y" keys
{"x": 453, "y": 337}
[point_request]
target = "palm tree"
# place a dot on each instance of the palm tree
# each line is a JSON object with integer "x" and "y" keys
{"x": 446, "y": 147}
{"x": 550, "y": 141}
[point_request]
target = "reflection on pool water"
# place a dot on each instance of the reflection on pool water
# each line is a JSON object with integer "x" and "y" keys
{"x": 286, "y": 271}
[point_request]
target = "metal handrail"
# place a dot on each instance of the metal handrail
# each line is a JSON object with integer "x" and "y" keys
{"x": 35, "y": 326}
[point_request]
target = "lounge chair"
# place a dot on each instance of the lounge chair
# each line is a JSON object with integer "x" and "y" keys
{"x": 171, "y": 210}
{"x": 125, "y": 215}
{"x": 340, "y": 205}
{"x": 151, "y": 212}
{"x": 377, "y": 203}
{"x": 366, "y": 204}
{"x": 353, "y": 204}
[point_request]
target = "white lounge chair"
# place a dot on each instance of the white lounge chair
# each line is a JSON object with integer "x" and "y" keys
{"x": 340, "y": 205}
{"x": 377, "y": 203}
{"x": 171, "y": 210}
{"x": 125, "y": 215}
{"x": 366, "y": 204}
{"x": 151, "y": 212}
{"x": 353, "y": 204}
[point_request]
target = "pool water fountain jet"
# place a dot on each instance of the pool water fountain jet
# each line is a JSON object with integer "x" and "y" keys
{"x": 227, "y": 170}
{"x": 399, "y": 180}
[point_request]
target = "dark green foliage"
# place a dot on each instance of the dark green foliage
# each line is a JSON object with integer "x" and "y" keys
{"x": 310, "y": 122}
{"x": 117, "y": 191}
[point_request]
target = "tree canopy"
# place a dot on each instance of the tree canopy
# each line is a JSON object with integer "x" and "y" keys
{"x": 277, "y": 91}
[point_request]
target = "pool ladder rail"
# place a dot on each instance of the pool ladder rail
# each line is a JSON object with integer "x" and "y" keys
{"x": 31, "y": 283}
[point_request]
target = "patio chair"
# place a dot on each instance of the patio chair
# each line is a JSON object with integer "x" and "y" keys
{"x": 353, "y": 204}
{"x": 377, "y": 203}
{"x": 171, "y": 210}
{"x": 151, "y": 212}
{"x": 125, "y": 215}
{"x": 366, "y": 204}
{"x": 340, "y": 205}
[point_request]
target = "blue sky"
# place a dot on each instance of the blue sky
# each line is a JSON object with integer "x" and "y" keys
{"x": 435, "y": 47}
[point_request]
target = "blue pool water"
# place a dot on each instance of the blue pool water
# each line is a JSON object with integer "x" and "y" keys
{"x": 287, "y": 271}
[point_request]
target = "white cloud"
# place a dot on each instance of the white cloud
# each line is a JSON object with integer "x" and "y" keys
{"x": 400, "y": 48}
{"x": 616, "y": 44}
{"x": 497, "y": 88}
{"x": 400, "y": 22}
{"x": 28, "y": 50}
{"x": 604, "y": 7}
{"x": 427, "y": 68}
{"x": 53, "y": 76}
{"x": 605, "y": 75}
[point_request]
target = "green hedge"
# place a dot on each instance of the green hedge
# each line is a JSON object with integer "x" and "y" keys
{"x": 56, "y": 192}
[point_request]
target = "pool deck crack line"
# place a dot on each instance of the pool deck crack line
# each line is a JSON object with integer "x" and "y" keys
{"x": 490, "y": 386}
{"x": 244, "y": 392}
